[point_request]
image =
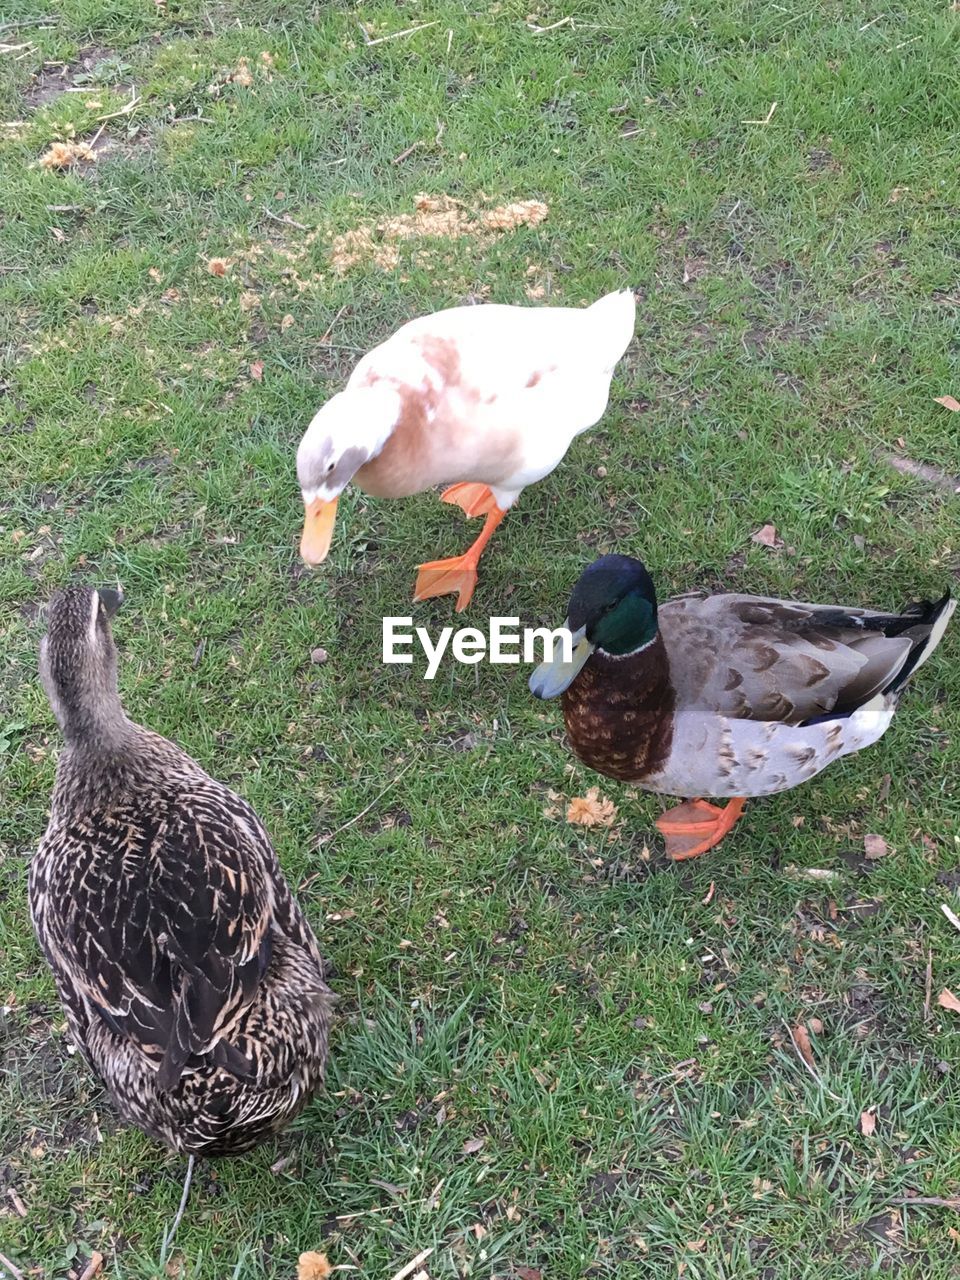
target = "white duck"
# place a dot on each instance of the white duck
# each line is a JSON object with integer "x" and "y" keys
{"x": 486, "y": 399}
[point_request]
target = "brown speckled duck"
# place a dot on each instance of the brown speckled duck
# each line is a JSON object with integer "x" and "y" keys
{"x": 725, "y": 695}
{"x": 191, "y": 980}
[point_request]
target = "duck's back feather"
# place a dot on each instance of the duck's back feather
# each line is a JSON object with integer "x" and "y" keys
{"x": 753, "y": 658}
{"x": 492, "y": 393}
{"x": 192, "y": 981}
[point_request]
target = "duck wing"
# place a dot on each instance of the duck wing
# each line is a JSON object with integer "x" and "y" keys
{"x": 752, "y": 658}
{"x": 167, "y": 928}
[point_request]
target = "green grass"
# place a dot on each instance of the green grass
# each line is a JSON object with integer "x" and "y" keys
{"x": 503, "y": 975}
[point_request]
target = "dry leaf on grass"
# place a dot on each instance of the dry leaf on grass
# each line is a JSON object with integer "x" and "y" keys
{"x": 552, "y": 810}
{"x": 472, "y": 1145}
{"x": 802, "y": 1040}
{"x": 62, "y": 155}
{"x": 218, "y": 266}
{"x": 875, "y": 846}
{"x": 528, "y": 1273}
{"x": 256, "y": 371}
{"x": 947, "y": 1000}
{"x": 591, "y": 810}
{"x": 766, "y": 537}
{"x": 313, "y": 1266}
{"x": 868, "y": 1121}
{"x": 948, "y": 402}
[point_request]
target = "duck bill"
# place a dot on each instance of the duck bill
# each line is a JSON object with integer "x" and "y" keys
{"x": 557, "y": 673}
{"x": 317, "y": 534}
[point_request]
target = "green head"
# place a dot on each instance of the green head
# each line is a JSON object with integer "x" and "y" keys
{"x": 613, "y": 609}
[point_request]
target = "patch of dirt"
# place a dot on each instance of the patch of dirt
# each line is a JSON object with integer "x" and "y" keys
{"x": 54, "y": 1094}
{"x": 55, "y": 78}
{"x": 602, "y": 1187}
{"x": 822, "y": 160}
{"x": 434, "y": 217}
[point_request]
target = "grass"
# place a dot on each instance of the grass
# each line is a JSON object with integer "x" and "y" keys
{"x": 618, "y": 1042}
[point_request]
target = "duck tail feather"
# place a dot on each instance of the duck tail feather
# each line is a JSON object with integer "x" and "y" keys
{"x": 931, "y": 619}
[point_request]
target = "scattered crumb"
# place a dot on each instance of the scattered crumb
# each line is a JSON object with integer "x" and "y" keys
{"x": 242, "y": 75}
{"x": 592, "y": 810}
{"x": 313, "y": 1266}
{"x": 62, "y": 155}
{"x": 434, "y": 217}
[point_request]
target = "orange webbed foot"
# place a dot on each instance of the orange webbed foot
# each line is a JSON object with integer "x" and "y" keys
{"x": 473, "y": 499}
{"x": 456, "y": 576}
{"x": 695, "y": 826}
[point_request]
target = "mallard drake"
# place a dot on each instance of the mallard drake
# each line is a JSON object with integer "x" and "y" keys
{"x": 190, "y": 978}
{"x": 489, "y": 397}
{"x": 725, "y": 695}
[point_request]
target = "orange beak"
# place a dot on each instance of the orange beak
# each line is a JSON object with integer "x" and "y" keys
{"x": 318, "y": 530}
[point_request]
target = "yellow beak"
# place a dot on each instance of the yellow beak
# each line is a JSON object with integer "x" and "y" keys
{"x": 318, "y": 530}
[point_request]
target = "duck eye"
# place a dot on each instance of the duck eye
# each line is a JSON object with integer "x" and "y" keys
{"x": 330, "y": 466}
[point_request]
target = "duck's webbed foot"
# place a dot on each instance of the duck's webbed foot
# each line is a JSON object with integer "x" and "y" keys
{"x": 695, "y": 826}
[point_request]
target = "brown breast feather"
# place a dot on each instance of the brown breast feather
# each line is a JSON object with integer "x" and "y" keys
{"x": 619, "y": 713}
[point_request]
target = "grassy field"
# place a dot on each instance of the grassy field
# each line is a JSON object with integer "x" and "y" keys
{"x": 557, "y": 1055}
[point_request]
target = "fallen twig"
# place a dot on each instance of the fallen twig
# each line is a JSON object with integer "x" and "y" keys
{"x": 384, "y": 1208}
{"x": 93, "y": 1266}
{"x": 951, "y": 915}
{"x": 672, "y": 1073}
{"x": 96, "y": 137}
{"x": 408, "y": 151}
{"x": 48, "y": 19}
{"x": 65, "y": 208}
{"x": 923, "y": 471}
{"x": 396, "y": 34}
{"x": 124, "y": 111}
{"x": 7, "y": 1265}
{"x": 413, "y": 1264}
{"x": 767, "y": 118}
{"x": 376, "y": 800}
{"x": 807, "y": 1066}
{"x": 928, "y": 986}
{"x": 539, "y": 31}
{"x": 705, "y": 902}
{"x": 332, "y": 324}
{"x": 940, "y": 1202}
{"x": 172, "y": 1229}
{"x": 284, "y": 219}
{"x": 19, "y": 1207}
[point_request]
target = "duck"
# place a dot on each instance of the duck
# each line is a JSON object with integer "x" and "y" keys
{"x": 482, "y": 399}
{"x": 191, "y": 980}
{"x": 724, "y": 695}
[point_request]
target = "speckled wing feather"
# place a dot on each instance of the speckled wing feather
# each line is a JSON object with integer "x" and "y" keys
{"x": 169, "y": 932}
{"x": 751, "y": 658}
